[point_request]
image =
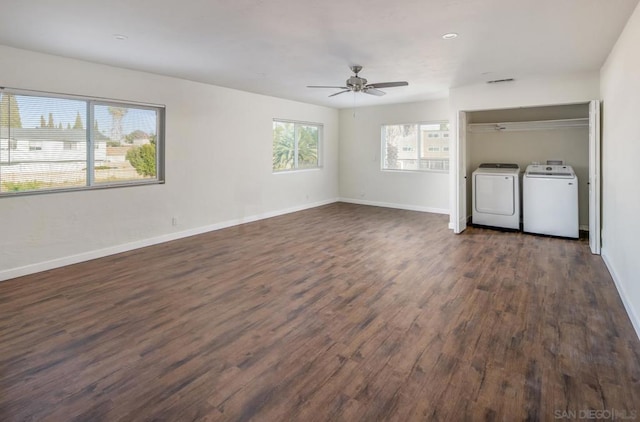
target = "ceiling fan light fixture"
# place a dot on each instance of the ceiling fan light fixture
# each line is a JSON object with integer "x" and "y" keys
{"x": 358, "y": 84}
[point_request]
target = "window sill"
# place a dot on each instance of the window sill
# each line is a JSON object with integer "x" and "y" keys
{"x": 296, "y": 170}
{"x": 82, "y": 188}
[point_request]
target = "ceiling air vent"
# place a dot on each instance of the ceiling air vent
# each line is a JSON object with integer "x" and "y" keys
{"x": 497, "y": 81}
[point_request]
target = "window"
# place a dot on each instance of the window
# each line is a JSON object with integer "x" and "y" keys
{"x": 416, "y": 146}
{"x": 296, "y": 145}
{"x": 52, "y": 142}
{"x": 7, "y": 144}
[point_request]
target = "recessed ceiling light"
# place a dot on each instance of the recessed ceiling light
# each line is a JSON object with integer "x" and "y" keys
{"x": 449, "y": 36}
{"x": 120, "y": 37}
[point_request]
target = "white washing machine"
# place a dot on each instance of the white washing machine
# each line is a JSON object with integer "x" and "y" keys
{"x": 496, "y": 195}
{"x": 550, "y": 200}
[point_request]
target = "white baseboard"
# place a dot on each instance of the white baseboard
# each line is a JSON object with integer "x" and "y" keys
{"x": 394, "y": 205}
{"x": 633, "y": 316}
{"x": 112, "y": 250}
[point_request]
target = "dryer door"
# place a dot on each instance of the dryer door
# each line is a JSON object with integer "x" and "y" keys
{"x": 495, "y": 194}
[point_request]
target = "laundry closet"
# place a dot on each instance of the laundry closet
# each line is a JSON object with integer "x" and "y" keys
{"x": 529, "y": 135}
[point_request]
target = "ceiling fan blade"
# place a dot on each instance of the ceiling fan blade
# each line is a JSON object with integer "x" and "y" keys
{"x": 340, "y": 92}
{"x": 324, "y": 86}
{"x": 387, "y": 84}
{"x": 373, "y": 91}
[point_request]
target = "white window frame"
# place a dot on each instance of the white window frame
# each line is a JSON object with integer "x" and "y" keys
{"x": 296, "y": 124}
{"x": 8, "y": 145}
{"x": 91, "y": 102}
{"x": 383, "y": 143}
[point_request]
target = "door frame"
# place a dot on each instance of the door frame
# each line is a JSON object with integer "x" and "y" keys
{"x": 460, "y": 174}
{"x": 595, "y": 227}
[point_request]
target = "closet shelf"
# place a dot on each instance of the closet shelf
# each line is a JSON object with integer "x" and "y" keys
{"x": 532, "y": 125}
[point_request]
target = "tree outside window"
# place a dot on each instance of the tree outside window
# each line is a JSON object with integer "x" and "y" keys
{"x": 295, "y": 145}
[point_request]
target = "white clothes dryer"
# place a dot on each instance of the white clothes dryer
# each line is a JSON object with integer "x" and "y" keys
{"x": 496, "y": 195}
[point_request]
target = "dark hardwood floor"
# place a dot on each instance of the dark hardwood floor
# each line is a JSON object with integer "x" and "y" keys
{"x": 343, "y": 312}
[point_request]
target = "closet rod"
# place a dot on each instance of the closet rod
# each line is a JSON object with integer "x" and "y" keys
{"x": 531, "y": 125}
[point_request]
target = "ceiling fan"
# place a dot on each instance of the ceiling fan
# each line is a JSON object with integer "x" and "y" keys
{"x": 358, "y": 84}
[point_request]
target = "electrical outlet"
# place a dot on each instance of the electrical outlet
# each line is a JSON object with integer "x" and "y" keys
{"x": 174, "y": 221}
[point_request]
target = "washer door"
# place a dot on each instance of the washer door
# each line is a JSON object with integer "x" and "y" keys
{"x": 494, "y": 194}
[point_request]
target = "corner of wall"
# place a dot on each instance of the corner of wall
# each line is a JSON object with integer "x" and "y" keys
{"x": 633, "y": 315}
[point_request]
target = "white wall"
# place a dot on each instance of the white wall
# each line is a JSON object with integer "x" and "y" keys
{"x": 524, "y": 92}
{"x": 620, "y": 87}
{"x": 361, "y": 179}
{"x": 527, "y": 92}
{"x": 218, "y": 167}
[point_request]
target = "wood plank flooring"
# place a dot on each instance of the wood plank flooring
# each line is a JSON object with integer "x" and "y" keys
{"x": 338, "y": 313}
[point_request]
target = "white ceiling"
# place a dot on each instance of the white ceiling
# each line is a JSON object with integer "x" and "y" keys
{"x": 277, "y": 47}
